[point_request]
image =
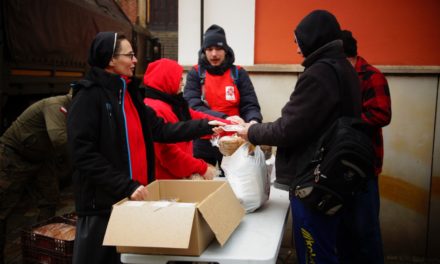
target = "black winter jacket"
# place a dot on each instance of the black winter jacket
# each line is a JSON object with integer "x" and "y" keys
{"x": 97, "y": 140}
{"x": 313, "y": 106}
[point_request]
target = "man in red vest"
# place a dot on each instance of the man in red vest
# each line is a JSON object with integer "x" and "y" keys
{"x": 219, "y": 88}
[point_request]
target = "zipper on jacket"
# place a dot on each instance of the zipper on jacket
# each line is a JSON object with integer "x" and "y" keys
{"x": 127, "y": 143}
{"x": 121, "y": 94}
{"x": 109, "y": 109}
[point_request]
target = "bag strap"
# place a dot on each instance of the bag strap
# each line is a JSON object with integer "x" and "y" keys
{"x": 202, "y": 76}
{"x": 346, "y": 98}
{"x": 343, "y": 92}
{"x": 234, "y": 74}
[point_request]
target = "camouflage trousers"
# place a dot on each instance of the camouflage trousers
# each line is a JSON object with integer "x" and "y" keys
{"x": 34, "y": 185}
{"x": 19, "y": 177}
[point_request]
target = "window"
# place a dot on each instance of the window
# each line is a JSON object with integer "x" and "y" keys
{"x": 163, "y": 15}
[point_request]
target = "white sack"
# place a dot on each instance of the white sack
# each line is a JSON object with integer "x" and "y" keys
{"x": 248, "y": 176}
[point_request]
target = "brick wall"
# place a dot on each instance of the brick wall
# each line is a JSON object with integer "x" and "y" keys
{"x": 168, "y": 39}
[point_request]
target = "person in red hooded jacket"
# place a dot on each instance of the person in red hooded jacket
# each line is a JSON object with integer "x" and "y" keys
{"x": 163, "y": 89}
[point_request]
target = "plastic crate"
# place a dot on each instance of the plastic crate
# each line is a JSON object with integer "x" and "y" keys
{"x": 42, "y": 249}
{"x": 34, "y": 256}
{"x": 71, "y": 217}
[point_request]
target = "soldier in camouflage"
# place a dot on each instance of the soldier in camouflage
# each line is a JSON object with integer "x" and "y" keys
{"x": 33, "y": 158}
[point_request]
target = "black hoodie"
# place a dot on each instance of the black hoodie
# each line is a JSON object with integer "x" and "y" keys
{"x": 315, "y": 102}
{"x": 315, "y": 30}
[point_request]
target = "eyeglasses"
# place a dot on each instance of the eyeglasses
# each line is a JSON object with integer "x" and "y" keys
{"x": 130, "y": 55}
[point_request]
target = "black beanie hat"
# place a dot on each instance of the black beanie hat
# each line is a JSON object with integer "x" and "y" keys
{"x": 350, "y": 43}
{"x": 214, "y": 36}
{"x": 315, "y": 30}
{"x": 102, "y": 49}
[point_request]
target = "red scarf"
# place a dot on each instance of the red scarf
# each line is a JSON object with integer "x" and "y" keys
{"x": 138, "y": 155}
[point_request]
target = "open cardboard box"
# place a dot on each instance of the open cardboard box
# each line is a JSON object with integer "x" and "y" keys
{"x": 204, "y": 210}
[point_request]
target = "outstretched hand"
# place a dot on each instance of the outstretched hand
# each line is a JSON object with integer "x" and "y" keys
{"x": 216, "y": 126}
{"x": 243, "y": 133}
{"x": 235, "y": 119}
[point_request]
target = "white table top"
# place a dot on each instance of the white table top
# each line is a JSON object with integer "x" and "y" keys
{"x": 256, "y": 240}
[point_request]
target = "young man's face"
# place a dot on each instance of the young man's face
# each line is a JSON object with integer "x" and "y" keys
{"x": 215, "y": 55}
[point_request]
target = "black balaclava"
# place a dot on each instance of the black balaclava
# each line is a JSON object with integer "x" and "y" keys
{"x": 315, "y": 30}
{"x": 215, "y": 36}
{"x": 102, "y": 49}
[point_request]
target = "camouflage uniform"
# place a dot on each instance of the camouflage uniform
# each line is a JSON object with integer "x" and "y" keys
{"x": 33, "y": 154}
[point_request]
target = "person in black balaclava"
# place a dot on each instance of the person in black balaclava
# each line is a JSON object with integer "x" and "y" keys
{"x": 217, "y": 87}
{"x": 313, "y": 106}
{"x": 110, "y": 135}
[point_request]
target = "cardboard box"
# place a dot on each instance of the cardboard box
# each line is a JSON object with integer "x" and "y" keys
{"x": 204, "y": 210}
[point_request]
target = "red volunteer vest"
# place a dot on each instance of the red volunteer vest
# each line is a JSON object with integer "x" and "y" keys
{"x": 221, "y": 93}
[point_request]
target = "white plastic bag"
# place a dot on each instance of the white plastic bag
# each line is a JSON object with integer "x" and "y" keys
{"x": 270, "y": 163}
{"x": 248, "y": 176}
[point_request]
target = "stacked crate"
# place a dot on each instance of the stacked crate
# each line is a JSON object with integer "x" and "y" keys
{"x": 50, "y": 241}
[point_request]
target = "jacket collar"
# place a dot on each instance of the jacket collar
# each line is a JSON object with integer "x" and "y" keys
{"x": 333, "y": 49}
{"x": 103, "y": 78}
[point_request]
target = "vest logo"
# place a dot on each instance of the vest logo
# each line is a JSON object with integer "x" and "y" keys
{"x": 229, "y": 93}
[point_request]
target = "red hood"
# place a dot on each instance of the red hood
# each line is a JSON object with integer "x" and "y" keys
{"x": 164, "y": 75}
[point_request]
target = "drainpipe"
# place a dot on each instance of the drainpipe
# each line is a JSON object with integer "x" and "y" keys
{"x": 202, "y": 14}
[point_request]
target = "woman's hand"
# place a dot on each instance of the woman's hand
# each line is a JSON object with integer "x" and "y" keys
{"x": 216, "y": 126}
{"x": 140, "y": 194}
{"x": 210, "y": 173}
